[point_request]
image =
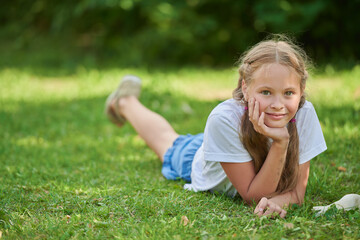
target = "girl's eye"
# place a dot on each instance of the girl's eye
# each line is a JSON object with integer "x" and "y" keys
{"x": 289, "y": 93}
{"x": 265, "y": 92}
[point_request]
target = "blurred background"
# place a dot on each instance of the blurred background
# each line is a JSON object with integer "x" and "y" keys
{"x": 171, "y": 33}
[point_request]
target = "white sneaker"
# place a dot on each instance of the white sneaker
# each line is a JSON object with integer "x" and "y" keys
{"x": 130, "y": 85}
{"x": 347, "y": 202}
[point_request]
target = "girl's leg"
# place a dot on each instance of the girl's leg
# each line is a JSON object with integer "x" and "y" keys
{"x": 153, "y": 128}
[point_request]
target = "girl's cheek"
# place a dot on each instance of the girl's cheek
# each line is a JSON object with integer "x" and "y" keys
{"x": 261, "y": 104}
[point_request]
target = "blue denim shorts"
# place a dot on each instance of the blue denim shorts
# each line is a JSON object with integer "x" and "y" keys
{"x": 178, "y": 158}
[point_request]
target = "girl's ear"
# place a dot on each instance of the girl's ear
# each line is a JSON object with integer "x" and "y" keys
{"x": 244, "y": 89}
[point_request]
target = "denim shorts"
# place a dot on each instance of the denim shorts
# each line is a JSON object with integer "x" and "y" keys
{"x": 178, "y": 158}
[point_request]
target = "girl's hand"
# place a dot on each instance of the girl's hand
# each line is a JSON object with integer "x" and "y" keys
{"x": 266, "y": 207}
{"x": 277, "y": 134}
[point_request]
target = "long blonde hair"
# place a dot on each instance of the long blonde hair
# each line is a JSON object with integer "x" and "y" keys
{"x": 283, "y": 51}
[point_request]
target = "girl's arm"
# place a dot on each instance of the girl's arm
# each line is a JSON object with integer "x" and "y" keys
{"x": 283, "y": 200}
{"x": 252, "y": 186}
{"x": 295, "y": 196}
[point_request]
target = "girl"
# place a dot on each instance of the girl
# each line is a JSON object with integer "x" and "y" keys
{"x": 257, "y": 144}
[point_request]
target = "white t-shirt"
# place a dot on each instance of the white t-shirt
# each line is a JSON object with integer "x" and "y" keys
{"x": 222, "y": 144}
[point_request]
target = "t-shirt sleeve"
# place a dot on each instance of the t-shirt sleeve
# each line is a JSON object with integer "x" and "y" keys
{"x": 222, "y": 142}
{"x": 311, "y": 138}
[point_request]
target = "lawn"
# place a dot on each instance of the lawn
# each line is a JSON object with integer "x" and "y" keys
{"x": 68, "y": 173}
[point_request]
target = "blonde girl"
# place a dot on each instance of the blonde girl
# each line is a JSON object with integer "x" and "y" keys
{"x": 258, "y": 144}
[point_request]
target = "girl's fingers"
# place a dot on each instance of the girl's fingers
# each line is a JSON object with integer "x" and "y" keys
{"x": 259, "y": 210}
{"x": 253, "y": 110}
{"x": 268, "y": 212}
{"x": 262, "y": 121}
{"x": 283, "y": 213}
{"x": 273, "y": 210}
{"x": 260, "y": 126}
{"x": 255, "y": 117}
{"x": 256, "y": 111}
{"x": 251, "y": 107}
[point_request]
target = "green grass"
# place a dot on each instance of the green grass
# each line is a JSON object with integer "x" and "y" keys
{"x": 67, "y": 173}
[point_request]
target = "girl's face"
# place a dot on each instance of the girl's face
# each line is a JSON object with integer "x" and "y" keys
{"x": 277, "y": 89}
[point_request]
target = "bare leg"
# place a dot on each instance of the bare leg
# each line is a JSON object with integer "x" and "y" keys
{"x": 153, "y": 128}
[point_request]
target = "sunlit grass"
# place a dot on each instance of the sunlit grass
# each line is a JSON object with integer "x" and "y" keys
{"x": 67, "y": 172}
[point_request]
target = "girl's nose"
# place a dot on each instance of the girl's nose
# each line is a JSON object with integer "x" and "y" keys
{"x": 277, "y": 103}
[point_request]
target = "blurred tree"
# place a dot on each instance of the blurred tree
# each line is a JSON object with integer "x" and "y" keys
{"x": 209, "y": 32}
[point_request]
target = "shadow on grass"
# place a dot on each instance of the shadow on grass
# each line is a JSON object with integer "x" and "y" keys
{"x": 65, "y": 158}
{"x": 72, "y": 142}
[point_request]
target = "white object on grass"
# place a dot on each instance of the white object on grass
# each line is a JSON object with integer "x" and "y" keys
{"x": 347, "y": 202}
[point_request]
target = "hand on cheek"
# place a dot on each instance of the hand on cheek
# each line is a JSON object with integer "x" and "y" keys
{"x": 257, "y": 118}
{"x": 253, "y": 115}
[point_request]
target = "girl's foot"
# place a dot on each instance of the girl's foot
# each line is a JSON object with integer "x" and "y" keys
{"x": 129, "y": 86}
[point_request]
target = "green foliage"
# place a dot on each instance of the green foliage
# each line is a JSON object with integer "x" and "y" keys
{"x": 181, "y": 32}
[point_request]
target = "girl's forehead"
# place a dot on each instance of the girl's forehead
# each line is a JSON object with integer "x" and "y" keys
{"x": 270, "y": 69}
{"x": 273, "y": 72}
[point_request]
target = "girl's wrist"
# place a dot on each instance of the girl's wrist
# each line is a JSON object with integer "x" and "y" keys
{"x": 283, "y": 142}
{"x": 284, "y": 139}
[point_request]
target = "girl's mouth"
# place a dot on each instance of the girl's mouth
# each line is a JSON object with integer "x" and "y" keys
{"x": 275, "y": 116}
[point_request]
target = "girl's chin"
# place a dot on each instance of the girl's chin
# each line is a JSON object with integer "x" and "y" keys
{"x": 276, "y": 124}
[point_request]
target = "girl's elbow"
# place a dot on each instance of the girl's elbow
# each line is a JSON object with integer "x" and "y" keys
{"x": 247, "y": 198}
{"x": 301, "y": 200}
{"x": 254, "y": 197}
{"x": 299, "y": 197}
{"x": 250, "y": 199}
